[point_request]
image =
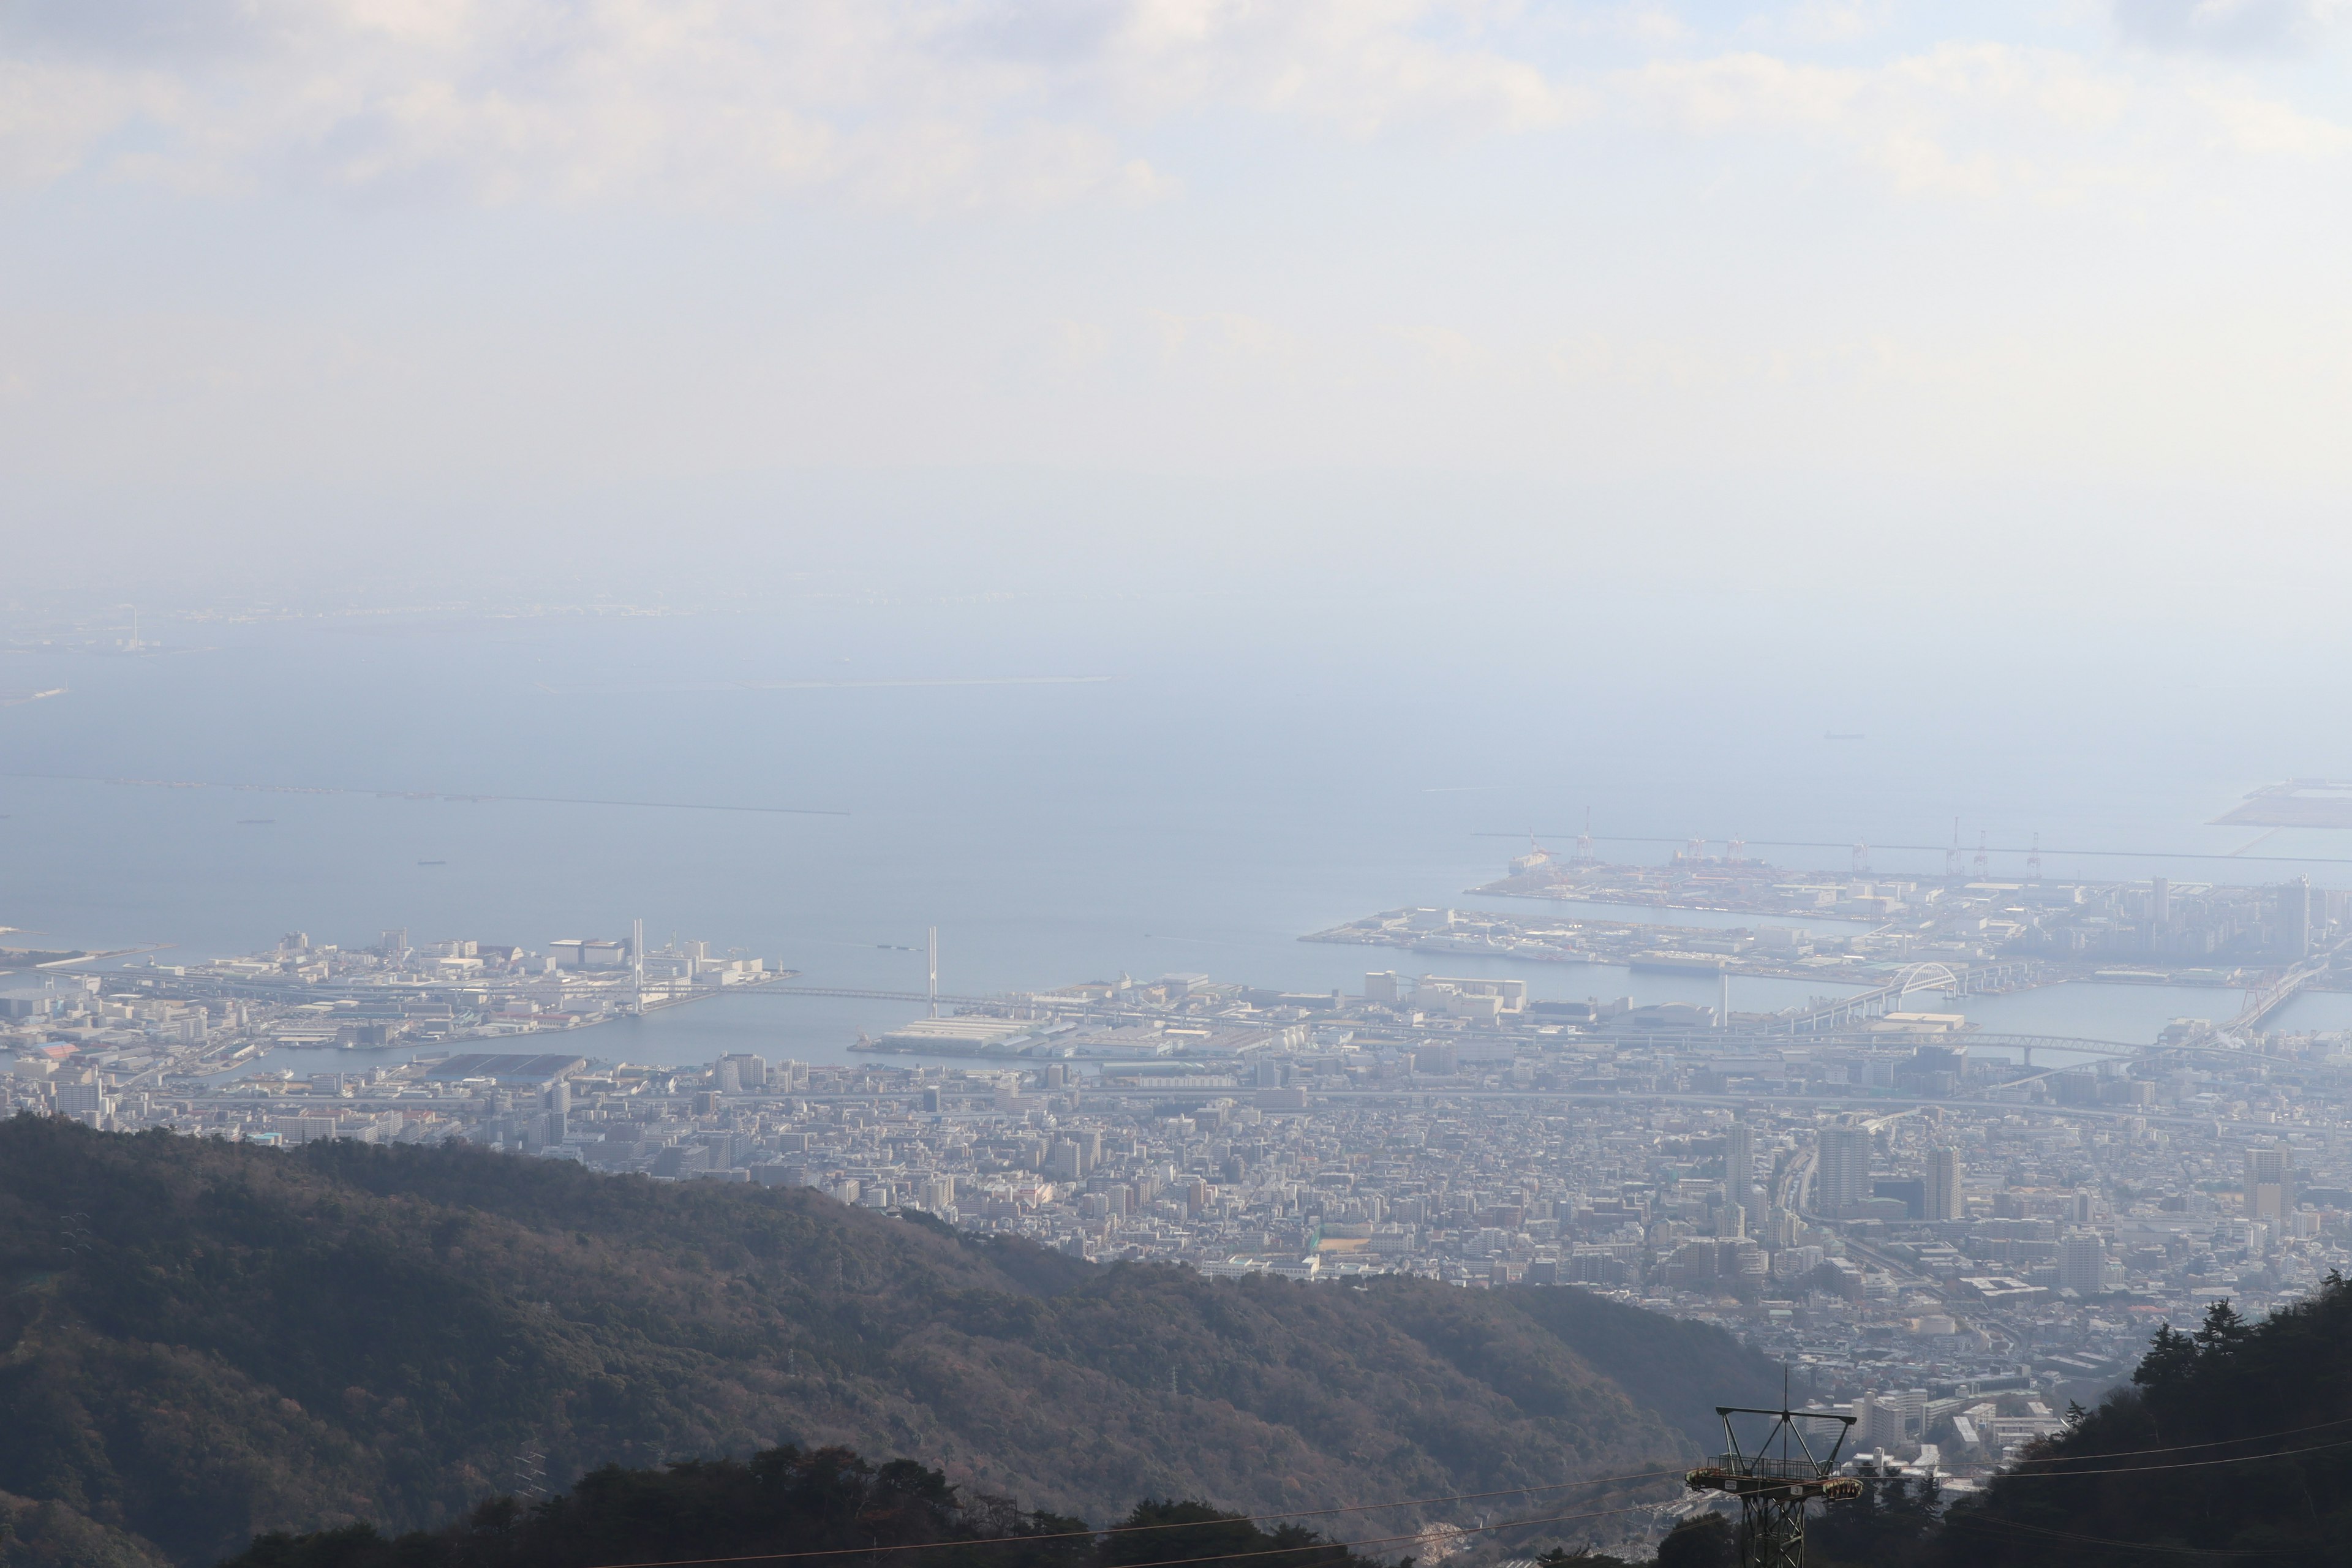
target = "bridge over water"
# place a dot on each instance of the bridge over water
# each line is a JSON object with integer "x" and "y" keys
{"x": 1968, "y": 979}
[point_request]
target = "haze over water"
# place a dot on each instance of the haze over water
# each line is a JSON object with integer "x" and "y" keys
{"x": 1186, "y": 781}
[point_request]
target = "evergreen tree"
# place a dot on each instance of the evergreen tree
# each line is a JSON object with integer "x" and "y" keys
{"x": 1705, "y": 1542}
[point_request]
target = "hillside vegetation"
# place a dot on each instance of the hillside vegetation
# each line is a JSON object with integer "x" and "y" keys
{"x": 2232, "y": 1444}
{"x": 2234, "y": 1440}
{"x": 829, "y": 1503}
{"x": 200, "y": 1341}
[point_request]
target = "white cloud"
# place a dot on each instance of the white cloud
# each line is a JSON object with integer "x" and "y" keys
{"x": 1746, "y": 91}
{"x": 1840, "y": 21}
{"x": 1975, "y": 119}
{"x": 1646, "y": 22}
{"x": 925, "y": 104}
{"x": 2229, "y": 27}
{"x": 2265, "y": 126}
{"x": 1636, "y": 242}
{"x": 50, "y": 115}
{"x": 1986, "y": 121}
{"x": 941, "y": 105}
{"x": 1359, "y": 67}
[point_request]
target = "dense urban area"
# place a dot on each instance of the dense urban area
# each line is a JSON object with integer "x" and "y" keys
{"x": 1950, "y": 1234}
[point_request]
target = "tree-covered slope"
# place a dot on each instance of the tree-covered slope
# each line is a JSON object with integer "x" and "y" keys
{"x": 202, "y": 1341}
{"x": 2235, "y": 1439}
{"x": 801, "y": 1506}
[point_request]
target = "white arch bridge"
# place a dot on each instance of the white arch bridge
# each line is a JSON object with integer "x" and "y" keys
{"x": 1942, "y": 979}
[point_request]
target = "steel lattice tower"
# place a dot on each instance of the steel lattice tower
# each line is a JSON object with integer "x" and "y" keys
{"x": 1773, "y": 1490}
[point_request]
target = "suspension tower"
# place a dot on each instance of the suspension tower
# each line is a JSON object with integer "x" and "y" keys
{"x": 1774, "y": 1488}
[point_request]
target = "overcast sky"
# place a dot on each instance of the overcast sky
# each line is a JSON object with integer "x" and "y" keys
{"x": 1985, "y": 274}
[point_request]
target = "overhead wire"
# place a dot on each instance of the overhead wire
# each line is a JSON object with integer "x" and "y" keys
{"x": 1184, "y": 1524}
{"x": 1479, "y": 1497}
{"x": 2183, "y": 1465}
{"x": 1994, "y": 1522}
{"x": 1346, "y": 1546}
{"x": 2184, "y": 1447}
{"x": 1974, "y": 1518}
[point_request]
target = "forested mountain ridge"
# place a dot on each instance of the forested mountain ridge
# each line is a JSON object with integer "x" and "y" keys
{"x": 2233, "y": 1444}
{"x": 203, "y": 1341}
{"x": 2234, "y": 1440}
{"x": 814, "y": 1505}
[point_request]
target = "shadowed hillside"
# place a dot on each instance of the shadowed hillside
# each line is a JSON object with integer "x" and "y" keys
{"x": 2234, "y": 1440}
{"x": 240, "y": 1340}
{"x": 826, "y": 1504}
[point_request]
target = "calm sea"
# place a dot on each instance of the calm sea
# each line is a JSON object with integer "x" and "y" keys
{"x": 1068, "y": 790}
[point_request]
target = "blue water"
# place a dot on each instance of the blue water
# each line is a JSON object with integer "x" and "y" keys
{"x": 1250, "y": 770}
{"x": 2133, "y": 1014}
{"x": 2313, "y": 1011}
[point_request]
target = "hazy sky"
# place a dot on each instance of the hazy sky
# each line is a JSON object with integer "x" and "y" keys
{"x": 2010, "y": 276}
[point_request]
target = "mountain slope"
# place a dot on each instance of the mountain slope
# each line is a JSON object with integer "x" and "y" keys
{"x": 2233, "y": 1440}
{"x": 826, "y": 1503}
{"x": 235, "y": 1339}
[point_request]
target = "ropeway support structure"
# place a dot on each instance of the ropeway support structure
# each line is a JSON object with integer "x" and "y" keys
{"x": 1773, "y": 1488}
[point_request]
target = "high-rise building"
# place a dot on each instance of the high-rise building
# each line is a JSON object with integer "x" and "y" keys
{"x": 1942, "y": 1184}
{"x": 2270, "y": 1182}
{"x": 1738, "y": 1155}
{"x": 82, "y": 1098}
{"x": 1880, "y": 1423}
{"x": 2083, "y": 1263}
{"x": 1841, "y": 1181}
{"x": 1740, "y": 1166}
{"x": 2295, "y": 918}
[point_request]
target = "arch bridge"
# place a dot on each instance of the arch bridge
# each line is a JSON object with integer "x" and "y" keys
{"x": 1976, "y": 979}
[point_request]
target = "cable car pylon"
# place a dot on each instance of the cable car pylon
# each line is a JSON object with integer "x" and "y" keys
{"x": 1773, "y": 1488}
